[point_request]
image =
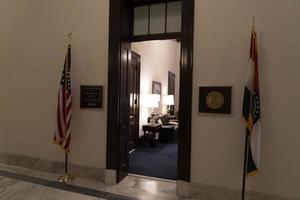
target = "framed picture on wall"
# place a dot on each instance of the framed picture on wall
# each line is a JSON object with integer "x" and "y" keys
{"x": 156, "y": 87}
{"x": 171, "y": 87}
{"x": 215, "y": 100}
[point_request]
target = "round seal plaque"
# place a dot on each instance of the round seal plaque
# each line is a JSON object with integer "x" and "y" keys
{"x": 215, "y": 100}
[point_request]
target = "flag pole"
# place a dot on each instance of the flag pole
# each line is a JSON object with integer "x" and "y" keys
{"x": 247, "y": 139}
{"x": 247, "y": 142}
{"x": 66, "y": 178}
{"x": 66, "y": 161}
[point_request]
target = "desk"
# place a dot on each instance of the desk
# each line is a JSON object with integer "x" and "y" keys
{"x": 151, "y": 134}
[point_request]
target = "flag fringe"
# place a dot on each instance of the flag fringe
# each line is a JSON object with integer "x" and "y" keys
{"x": 253, "y": 173}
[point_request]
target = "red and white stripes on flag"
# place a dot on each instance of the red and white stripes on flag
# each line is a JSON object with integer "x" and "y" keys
{"x": 64, "y": 107}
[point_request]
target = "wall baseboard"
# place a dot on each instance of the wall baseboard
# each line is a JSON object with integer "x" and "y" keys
{"x": 86, "y": 172}
{"x": 184, "y": 189}
{"x": 204, "y": 191}
{"x": 110, "y": 177}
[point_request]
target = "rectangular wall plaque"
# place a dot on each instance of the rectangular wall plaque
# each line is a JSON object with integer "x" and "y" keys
{"x": 91, "y": 96}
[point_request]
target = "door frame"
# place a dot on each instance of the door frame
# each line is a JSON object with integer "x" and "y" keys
{"x": 118, "y": 34}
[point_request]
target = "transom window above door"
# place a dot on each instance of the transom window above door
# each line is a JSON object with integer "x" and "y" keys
{"x": 156, "y": 17}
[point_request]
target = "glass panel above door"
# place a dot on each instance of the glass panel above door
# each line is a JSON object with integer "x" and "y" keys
{"x": 157, "y": 18}
{"x": 141, "y": 15}
{"x": 174, "y": 17}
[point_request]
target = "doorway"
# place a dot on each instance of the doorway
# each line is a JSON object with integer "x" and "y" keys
{"x": 120, "y": 37}
{"x": 157, "y": 150}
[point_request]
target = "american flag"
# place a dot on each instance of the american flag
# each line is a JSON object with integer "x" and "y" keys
{"x": 64, "y": 108}
{"x": 251, "y": 109}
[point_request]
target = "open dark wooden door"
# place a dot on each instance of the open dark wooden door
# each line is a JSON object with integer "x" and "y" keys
{"x": 124, "y": 110}
{"x": 125, "y": 47}
{"x": 134, "y": 100}
{"x": 118, "y": 96}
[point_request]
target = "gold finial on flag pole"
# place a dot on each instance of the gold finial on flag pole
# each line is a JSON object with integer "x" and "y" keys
{"x": 253, "y": 23}
{"x": 70, "y": 37}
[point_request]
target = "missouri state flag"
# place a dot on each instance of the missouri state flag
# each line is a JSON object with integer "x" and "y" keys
{"x": 251, "y": 109}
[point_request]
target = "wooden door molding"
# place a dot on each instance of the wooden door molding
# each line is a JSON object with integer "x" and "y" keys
{"x": 118, "y": 38}
{"x": 186, "y": 91}
{"x": 119, "y": 25}
{"x": 113, "y": 85}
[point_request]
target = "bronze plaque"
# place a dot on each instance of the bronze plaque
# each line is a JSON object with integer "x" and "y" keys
{"x": 215, "y": 100}
{"x": 91, "y": 96}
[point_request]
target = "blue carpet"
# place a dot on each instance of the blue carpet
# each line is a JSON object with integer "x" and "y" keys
{"x": 159, "y": 161}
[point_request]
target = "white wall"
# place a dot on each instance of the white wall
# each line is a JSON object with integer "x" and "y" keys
{"x": 222, "y": 39}
{"x": 33, "y": 41}
{"x": 157, "y": 58}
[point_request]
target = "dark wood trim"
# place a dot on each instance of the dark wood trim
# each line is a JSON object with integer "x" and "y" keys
{"x": 162, "y": 36}
{"x": 113, "y": 122}
{"x": 119, "y": 30}
{"x": 137, "y": 3}
{"x": 186, "y": 88}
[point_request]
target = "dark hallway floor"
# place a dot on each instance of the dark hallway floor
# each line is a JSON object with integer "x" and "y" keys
{"x": 159, "y": 161}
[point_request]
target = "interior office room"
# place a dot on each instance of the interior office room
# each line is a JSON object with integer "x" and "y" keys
{"x": 154, "y": 149}
{"x": 74, "y": 115}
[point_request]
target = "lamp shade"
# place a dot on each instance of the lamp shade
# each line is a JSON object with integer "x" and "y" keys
{"x": 169, "y": 100}
{"x": 150, "y": 100}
